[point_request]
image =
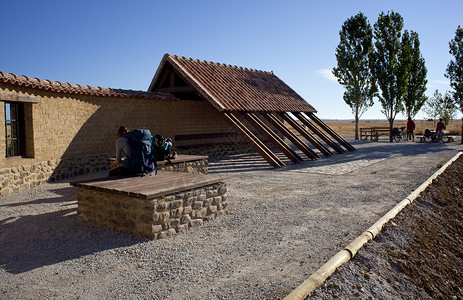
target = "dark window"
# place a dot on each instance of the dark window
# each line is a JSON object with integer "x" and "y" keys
{"x": 14, "y": 129}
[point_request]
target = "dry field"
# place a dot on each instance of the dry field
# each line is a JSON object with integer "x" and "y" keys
{"x": 346, "y": 128}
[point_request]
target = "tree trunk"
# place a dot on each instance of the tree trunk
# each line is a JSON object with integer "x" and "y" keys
{"x": 391, "y": 124}
{"x": 356, "y": 127}
{"x": 461, "y": 130}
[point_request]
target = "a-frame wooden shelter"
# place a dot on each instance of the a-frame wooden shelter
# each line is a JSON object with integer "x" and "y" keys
{"x": 254, "y": 97}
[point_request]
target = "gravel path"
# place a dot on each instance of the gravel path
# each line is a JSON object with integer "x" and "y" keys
{"x": 283, "y": 224}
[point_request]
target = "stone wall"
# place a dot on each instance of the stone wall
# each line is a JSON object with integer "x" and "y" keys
{"x": 197, "y": 166}
{"x": 19, "y": 178}
{"x": 15, "y": 179}
{"x": 156, "y": 218}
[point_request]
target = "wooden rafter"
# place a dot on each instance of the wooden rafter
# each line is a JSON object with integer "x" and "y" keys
{"x": 272, "y": 137}
{"x": 330, "y": 131}
{"x": 306, "y": 134}
{"x": 291, "y": 136}
{"x": 318, "y": 132}
{"x": 257, "y": 144}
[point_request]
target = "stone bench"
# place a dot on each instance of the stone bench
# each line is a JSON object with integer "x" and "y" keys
{"x": 152, "y": 206}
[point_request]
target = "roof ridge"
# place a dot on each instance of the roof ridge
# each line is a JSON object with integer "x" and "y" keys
{"x": 221, "y": 64}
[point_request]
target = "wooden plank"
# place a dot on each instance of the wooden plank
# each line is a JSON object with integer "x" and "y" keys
{"x": 176, "y": 89}
{"x": 292, "y": 137}
{"x": 203, "y": 136}
{"x": 330, "y": 131}
{"x": 318, "y": 132}
{"x": 306, "y": 134}
{"x": 266, "y": 153}
{"x": 148, "y": 187}
{"x": 273, "y": 137}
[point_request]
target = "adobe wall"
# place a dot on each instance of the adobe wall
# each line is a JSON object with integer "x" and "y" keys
{"x": 75, "y": 134}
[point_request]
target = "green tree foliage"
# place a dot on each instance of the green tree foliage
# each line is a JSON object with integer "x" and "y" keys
{"x": 414, "y": 95}
{"x": 455, "y": 70}
{"x": 455, "y": 67}
{"x": 353, "y": 55}
{"x": 390, "y": 66}
{"x": 439, "y": 106}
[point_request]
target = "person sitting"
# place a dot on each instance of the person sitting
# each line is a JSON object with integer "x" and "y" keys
{"x": 440, "y": 129}
{"x": 121, "y": 167}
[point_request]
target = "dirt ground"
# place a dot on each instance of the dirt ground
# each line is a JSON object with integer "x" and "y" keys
{"x": 282, "y": 225}
{"x": 418, "y": 255}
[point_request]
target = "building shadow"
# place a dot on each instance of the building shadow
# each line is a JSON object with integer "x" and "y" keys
{"x": 28, "y": 242}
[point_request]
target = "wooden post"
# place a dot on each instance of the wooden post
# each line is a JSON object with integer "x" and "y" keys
{"x": 306, "y": 134}
{"x": 274, "y": 138}
{"x": 318, "y": 132}
{"x": 291, "y": 136}
{"x": 331, "y": 132}
{"x": 257, "y": 144}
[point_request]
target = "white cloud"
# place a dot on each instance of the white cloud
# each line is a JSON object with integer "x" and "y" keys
{"x": 438, "y": 84}
{"x": 327, "y": 74}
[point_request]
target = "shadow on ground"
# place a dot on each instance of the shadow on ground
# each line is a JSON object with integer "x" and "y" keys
{"x": 366, "y": 150}
{"x": 50, "y": 238}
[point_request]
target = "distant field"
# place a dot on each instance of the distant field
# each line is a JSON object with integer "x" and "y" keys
{"x": 347, "y": 128}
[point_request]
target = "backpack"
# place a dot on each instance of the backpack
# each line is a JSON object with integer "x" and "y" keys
{"x": 427, "y": 132}
{"x": 143, "y": 158}
{"x": 164, "y": 150}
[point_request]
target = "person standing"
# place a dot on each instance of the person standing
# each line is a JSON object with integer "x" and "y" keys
{"x": 410, "y": 129}
{"x": 440, "y": 129}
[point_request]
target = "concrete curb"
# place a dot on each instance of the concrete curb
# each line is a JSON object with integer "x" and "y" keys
{"x": 346, "y": 254}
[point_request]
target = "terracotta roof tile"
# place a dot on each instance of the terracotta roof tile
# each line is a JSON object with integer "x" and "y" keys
{"x": 233, "y": 88}
{"x": 69, "y": 88}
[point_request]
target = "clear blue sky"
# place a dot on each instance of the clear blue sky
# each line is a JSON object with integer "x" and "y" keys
{"x": 119, "y": 44}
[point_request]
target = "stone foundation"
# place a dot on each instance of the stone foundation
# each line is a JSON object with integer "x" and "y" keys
{"x": 199, "y": 165}
{"x": 155, "y": 218}
{"x": 23, "y": 177}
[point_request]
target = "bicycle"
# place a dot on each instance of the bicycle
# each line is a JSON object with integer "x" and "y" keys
{"x": 431, "y": 137}
{"x": 399, "y": 134}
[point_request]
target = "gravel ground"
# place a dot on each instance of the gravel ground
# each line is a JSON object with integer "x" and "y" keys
{"x": 283, "y": 224}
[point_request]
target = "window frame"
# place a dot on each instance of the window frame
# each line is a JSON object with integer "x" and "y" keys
{"x": 15, "y": 137}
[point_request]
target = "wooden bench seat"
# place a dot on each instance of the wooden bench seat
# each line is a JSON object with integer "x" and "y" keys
{"x": 153, "y": 206}
{"x": 373, "y": 133}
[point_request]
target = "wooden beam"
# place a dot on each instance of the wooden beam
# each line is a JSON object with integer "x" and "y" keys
{"x": 257, "y": 144}
{"x": 175, "y": 89}
{"x": 306, "y": 134}
{"x": 272, "y": 137}
{"x": 330, "y": 131}
{"x": 291, "y": 136}
{"x": 318, "y": 132}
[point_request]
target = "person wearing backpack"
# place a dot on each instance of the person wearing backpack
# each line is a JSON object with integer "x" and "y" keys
{"x": 123, "y": 150}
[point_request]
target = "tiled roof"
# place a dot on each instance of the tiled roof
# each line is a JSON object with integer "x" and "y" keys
{"x": 232, "y": 88}
{"x": 69, "y": 88}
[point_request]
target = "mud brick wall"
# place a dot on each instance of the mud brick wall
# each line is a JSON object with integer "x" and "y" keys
{"x": 62, "y": 128}
{"x": 156, "y": 218}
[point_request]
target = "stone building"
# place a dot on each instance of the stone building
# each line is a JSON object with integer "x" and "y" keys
{"x": 53, "y": 130}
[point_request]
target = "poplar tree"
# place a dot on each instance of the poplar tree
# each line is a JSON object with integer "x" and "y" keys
{"x": 414, "y": 97}
{"x": 455, "y": 70}
{"x": 353, "y": 55}
{"x": 389, "y": 69}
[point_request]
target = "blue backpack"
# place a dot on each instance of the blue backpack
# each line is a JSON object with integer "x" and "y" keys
{"x": 143, "y": 158}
